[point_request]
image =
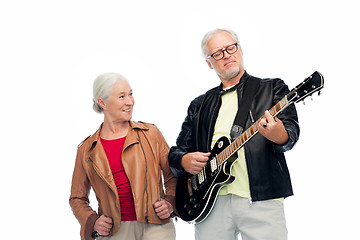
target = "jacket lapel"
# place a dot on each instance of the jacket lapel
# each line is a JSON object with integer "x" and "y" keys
{"x": 100, "y": 162}
{"x": 98, "y": 156}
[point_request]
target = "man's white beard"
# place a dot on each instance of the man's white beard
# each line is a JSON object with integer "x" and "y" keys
{"x": 229, "y": 74}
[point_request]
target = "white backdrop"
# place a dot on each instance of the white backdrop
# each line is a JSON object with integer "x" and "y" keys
{"x": 51, "y": 51}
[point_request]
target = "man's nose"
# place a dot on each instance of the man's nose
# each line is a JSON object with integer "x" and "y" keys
{"x": 226, "y": 54}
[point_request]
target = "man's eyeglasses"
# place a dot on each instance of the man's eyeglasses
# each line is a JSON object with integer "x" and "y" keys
{"x": 218, "y": 55}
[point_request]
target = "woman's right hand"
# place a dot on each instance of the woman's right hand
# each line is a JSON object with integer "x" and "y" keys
{"x": 103, "y": 225}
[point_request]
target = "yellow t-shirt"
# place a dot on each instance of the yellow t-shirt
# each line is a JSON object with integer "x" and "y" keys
{"x": 223, "y": 125}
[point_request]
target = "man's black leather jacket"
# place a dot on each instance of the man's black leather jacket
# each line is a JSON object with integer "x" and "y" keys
{"x": 269, "y": 176}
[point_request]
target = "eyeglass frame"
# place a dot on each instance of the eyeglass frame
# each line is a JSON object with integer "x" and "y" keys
{"x": 223, "y": 50}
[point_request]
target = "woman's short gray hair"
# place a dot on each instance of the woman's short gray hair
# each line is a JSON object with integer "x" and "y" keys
{"x": 102, "y": 87}
{"x": 209, "y": 35}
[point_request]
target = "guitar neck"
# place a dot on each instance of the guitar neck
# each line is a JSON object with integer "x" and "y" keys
{"x": 250, "y": 132}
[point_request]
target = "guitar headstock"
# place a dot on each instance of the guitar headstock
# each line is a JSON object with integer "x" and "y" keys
{"x": 306, "y": 88}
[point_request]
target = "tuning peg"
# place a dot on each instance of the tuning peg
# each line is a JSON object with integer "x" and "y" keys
{"x": 319, "y": 93}
{"x": 303, "y": 102}
{"x": 311, "y": 97}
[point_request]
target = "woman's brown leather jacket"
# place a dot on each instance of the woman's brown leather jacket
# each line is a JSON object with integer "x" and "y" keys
{"x": 145, "y": 159}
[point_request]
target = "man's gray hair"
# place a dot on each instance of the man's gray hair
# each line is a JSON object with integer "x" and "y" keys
{"x": 209, "y": 35}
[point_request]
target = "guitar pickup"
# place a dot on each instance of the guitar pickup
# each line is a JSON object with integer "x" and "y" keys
{"x": 213, "y": 164}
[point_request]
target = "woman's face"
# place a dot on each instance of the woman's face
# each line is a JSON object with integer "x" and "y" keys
{"x": 120, "y": 103}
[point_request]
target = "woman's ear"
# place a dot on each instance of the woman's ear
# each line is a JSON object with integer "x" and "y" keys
{"x": 101, "y": 102}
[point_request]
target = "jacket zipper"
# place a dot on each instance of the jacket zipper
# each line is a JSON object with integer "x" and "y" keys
{"x": 248, "y": 163}
{"x": 146, "y": 180}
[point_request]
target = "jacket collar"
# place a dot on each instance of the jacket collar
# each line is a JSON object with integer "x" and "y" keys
{"x": 242, "y": 81}
{"x": 138, "y": 125}
{"x": 133, "y": 125}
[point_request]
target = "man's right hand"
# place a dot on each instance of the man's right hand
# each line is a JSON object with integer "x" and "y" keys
{"x": 194, "y": 162}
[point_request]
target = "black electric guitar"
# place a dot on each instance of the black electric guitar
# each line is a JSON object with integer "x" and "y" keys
{"x": 196, "y": 194}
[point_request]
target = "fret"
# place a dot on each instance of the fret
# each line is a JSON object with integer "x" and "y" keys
{"x": 251, "y": 130}
{"x": 223, "y": 155}
{"x": 283, "y": 102}
{"x": 277, "y": 107}
{"x": 242, "y": 139}
{"x": 272, "y": 111}
{"x": 235, "y": 144}
{"x": 248, "y": 135}
{"x": 226, "y": 152}
{"x": 281, "y": 105}
{"x": 218, "y": 159}
{"x": 256, "y": 125}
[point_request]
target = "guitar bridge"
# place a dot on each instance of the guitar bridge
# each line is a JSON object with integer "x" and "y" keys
{"x": 189, "y": 185}
{"x": 201, "y": 177}
{"x": 193, "y": 182}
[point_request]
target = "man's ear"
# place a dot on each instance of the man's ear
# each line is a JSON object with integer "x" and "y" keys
{"x": 241, "y": 52}
{"x": 209, "y": 64}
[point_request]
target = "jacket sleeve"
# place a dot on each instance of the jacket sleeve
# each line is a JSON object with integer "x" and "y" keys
{"x": 184, "y": 142}
{"x": 79, "y": 199}
{"x": 169, "y": 178}
{"x": 288, "y": 116}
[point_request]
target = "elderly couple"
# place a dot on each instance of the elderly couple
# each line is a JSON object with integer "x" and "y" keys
{"x": 133, "y": 172}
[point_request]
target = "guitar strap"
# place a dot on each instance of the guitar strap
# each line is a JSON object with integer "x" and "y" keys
{"x": 250, "y": 88}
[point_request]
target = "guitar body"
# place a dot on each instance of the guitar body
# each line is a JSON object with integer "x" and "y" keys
{"x": 196, "y": 194}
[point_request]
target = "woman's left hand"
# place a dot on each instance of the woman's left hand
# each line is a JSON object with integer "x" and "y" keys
{"x": 163, "y": 209}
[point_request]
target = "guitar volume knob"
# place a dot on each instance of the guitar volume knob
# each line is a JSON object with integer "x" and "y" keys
{"x": 193, "y": 200}
{"x": 191, "y": 212}
{"x": 197, "y": 206}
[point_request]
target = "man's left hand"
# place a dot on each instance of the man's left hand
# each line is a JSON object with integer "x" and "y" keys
{"x": 273, "y": 129}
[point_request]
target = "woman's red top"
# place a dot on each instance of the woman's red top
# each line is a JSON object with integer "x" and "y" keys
{"x": 113, "y": 150}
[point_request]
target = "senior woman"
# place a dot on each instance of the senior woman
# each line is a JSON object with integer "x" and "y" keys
{"x": 125, "y": 163}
